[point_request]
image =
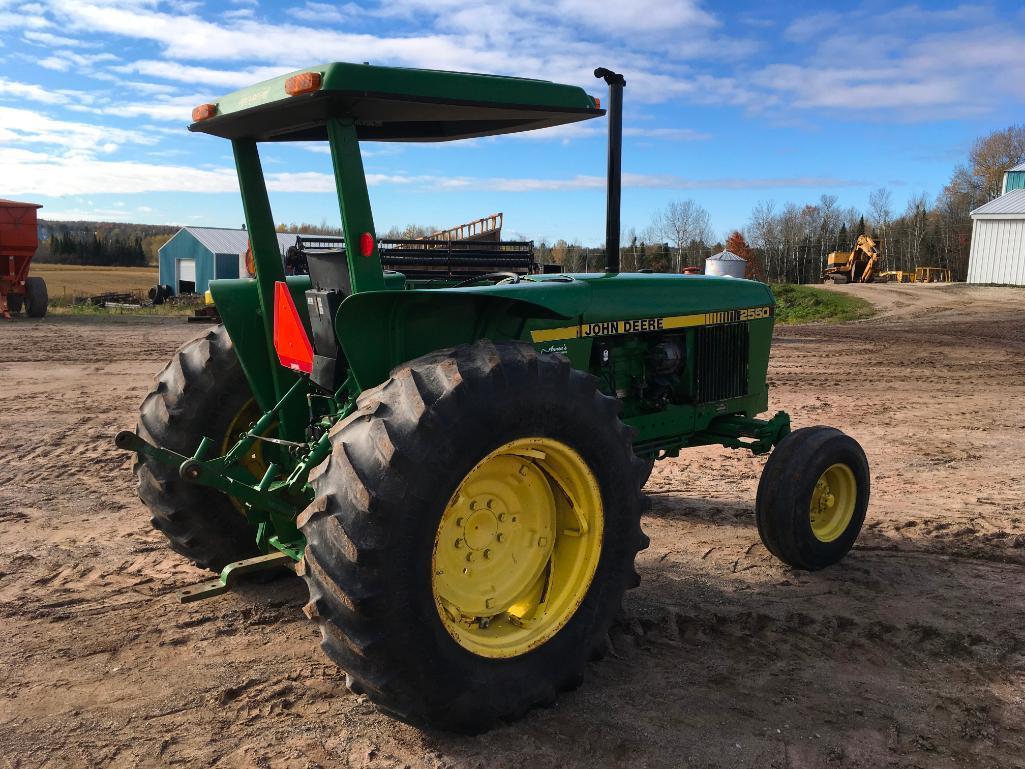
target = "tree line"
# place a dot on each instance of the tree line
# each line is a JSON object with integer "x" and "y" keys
{"x": 101, "y": 243}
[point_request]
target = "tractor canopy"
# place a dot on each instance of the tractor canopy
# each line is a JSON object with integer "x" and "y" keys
{"x": 392, "y": 104}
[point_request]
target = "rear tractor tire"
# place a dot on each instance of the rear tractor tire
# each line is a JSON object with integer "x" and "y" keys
{"x": 812, "y": 497}
{"x": 472, "y": 535}
{"x": 36, "y": 298}
{"x": 201, "y": 392}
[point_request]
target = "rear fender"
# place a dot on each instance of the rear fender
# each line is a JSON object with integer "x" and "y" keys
{"x": 238, "y": 303}
{"x": 378, "y": 330}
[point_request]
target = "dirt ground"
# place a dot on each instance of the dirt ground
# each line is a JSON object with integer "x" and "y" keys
{"x": 908, "y": 654}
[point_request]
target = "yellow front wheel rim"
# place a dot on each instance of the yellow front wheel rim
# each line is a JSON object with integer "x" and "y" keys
{"x": 517, "y": 547}
{"x": 832, "y": 502}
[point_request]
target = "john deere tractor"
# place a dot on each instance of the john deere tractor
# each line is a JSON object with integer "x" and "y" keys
{"x": 448, "y": 442}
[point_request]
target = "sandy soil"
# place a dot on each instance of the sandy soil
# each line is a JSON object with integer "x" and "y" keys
{"x": 908, "y": 654}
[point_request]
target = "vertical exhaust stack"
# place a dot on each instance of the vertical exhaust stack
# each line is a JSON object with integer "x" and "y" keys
{"x": 616, "y": 85}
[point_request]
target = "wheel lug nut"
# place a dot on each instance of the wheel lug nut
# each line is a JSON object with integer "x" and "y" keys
{"x": 459, "y": 521}
{"x": 459, "y": 543}
{"x": 487, "y": 553}
{"x": 500, "y": 537}
{"x": 469, "y": 556}
{"x": 501, "y": 517}
{"x": 489, "y": 503}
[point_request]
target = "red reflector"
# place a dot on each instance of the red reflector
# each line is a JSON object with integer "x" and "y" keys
{"x": 290, "y": 341}
{"x": 366, "y": 244}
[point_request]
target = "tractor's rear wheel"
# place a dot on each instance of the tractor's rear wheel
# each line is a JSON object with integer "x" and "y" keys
{"x": 201, "y": 392}
{"x": 36, "y": 298}
{"x": 812, "y": 497}
{"x": 472, "y": 534}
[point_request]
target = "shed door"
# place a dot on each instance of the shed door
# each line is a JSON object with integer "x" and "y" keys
{"x": 186, "y": 276}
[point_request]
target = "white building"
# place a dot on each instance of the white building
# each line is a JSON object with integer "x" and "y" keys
{"x": 998, "y": 241}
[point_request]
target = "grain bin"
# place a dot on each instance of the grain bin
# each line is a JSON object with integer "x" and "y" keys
{"x": 726, "y": 263}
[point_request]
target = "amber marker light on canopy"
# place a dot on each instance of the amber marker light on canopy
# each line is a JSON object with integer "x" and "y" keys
{"x": 304, "y": 82}
{"x": 597, "y": 102}
{"x": 290, "y": 340}
{"x": 203, "y": 112}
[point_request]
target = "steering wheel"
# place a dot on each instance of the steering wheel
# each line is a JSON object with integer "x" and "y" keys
{"x": 512, "y": 277}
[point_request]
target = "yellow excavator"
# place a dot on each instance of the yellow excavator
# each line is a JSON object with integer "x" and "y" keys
{"x": 857, "y": 266}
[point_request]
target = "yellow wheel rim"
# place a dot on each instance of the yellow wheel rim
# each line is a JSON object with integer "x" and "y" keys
{"x": 517, "y": 547}
{"x": 832, "y": 502}
{"x": 253, "y": 462}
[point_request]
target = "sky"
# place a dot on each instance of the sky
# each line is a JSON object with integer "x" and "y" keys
{"x": 728, "y": 104}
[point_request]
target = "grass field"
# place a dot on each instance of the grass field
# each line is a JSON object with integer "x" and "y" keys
{"x": 807, "y": 304}
{"x": 65, "y": 281}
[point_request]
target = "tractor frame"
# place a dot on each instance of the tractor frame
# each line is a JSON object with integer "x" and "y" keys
{"x": 610, "y": 324}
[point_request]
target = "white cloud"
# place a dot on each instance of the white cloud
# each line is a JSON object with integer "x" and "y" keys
{"x": 454, "y": 35}
{"x": 9, "y": 20}
{"x": 29, "y": 127}
{"x": 645, "y": 16}
{"x": 30, "y": 91}
{"x": 63, "y": 61}
{"x": 169, "y": 108}
{"x": 910, "y": 63}
{"x": 53, "y": 41}
{"x": 810, "y": 26}
{"x": 39, "y": 173}
{"x": 322, "y": 13}
{"x": 185, "y": 73}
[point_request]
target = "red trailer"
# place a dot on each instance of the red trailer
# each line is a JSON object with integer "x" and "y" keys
{"x": 19, "y": 238}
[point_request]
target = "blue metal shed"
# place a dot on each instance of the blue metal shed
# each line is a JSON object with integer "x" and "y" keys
{"x": 196, "y": 255}
{"x": 1014, "y": 179}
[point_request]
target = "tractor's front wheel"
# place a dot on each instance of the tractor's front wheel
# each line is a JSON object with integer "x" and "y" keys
{"x": 201, "y": 392}
{"x": 812, "y": 497}
{"x": 472, "y": 534}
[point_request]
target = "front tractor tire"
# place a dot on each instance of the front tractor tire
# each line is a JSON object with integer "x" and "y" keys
{"x": 812, "y": 497}
{"x": 472, "y": 534}
{"x": 201, "y": 392}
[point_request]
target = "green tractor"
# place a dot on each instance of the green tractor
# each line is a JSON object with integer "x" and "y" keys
{"x": 448, "y": 442}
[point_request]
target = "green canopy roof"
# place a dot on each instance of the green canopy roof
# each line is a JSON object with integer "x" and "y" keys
{"x": 396, "y": 104}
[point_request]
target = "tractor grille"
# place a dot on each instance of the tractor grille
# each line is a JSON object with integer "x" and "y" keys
{"x": 721, "y": 362}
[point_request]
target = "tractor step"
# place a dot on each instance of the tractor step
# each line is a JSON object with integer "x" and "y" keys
{"x": 230, "y": 574}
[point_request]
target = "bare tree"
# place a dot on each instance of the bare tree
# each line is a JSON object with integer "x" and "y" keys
{"x": 992, "y": 155}
{"x": 880, "y": 211}
{"x": 683, "y": 223}
{"x": 915, "y": 221}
